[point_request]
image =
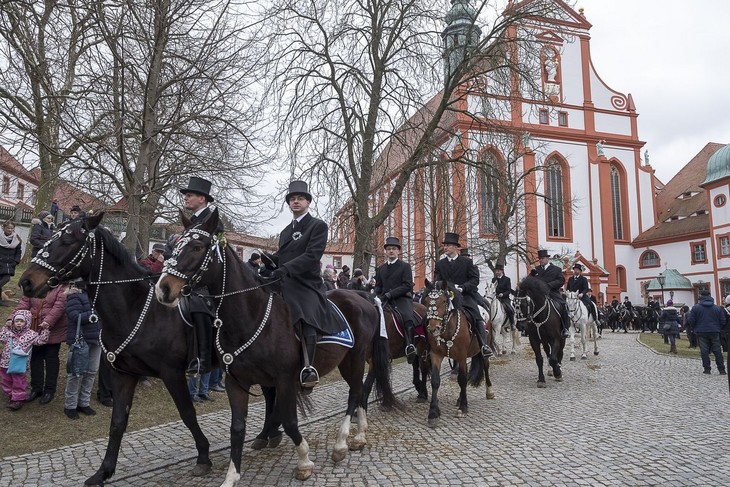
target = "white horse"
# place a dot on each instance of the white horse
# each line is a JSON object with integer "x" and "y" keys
{"x": 500, "y": 323}
{"x": 582, "y": 320}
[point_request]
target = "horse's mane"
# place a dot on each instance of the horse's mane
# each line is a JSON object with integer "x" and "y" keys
{"x": 111, "y": 245}
{"x": 533, "y": 285}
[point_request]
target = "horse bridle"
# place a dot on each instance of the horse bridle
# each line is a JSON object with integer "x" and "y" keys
{"x": 432, "y": 314}
{"x": 531, "y": 313}
{"x": 170, "y": 265}
{"x": 64, "y": 274}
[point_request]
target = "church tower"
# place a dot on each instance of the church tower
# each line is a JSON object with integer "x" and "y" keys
{"x": 460, "y": 36}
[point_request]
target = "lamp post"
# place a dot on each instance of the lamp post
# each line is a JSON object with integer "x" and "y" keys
{"x": 661, "y": 279}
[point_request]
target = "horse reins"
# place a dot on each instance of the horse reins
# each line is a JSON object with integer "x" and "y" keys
{"x": 432, "y": 314}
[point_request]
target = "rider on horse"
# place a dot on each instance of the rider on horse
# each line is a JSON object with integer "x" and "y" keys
{"x": 578, "y": 283}
{"x": 394, "y": 285}
{"x": 555, "y": 279}
{"x": 301, "y": 245}
{"x": 196, "y": 198}
{"x": 462, "y": 272}
{"x": 502, "y": 291}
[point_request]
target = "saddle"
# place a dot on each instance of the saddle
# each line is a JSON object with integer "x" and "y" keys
{"x": 344, "y": 338}
{"x": 419, "y": 328}
{"x": 187, "y": 305}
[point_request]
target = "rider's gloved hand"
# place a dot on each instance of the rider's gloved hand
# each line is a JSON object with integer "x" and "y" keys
{"x": 278, "y": 274}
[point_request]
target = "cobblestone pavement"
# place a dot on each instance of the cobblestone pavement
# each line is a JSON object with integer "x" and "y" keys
{"x": 627, "y": 417}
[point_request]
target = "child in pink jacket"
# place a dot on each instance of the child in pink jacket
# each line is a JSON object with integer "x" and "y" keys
{"x": 19, "y": 333}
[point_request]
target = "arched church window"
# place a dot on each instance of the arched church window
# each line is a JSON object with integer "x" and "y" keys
{"x": 554, "y": 198}
{"x": 649, "y": 259}
{"x": 617, "y": 204}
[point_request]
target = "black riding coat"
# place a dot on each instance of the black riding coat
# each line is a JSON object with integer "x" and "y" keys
{"x": 554, "y": 278}
{"x": 503, "y": 287}
{"x": 461, "y": 272}
{"x": 580, "y": 284}
{"x": 396, "y": 280}
{"x": 299, "y": 254}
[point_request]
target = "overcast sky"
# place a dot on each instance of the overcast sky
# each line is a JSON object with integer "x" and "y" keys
{"x": 673, "y": 56}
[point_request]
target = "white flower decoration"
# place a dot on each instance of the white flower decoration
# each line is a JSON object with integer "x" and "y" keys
{"x": 297, "y": 235}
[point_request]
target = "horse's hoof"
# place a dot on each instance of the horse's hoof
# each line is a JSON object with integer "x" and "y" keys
{"x": 433, "y": 422}
{"x": 595, "y": 353}
{"x": 541, "y": 385}
{"x": 420, "y": 399}
{"x": 490, "y": 395}
{"x": 504, "y": 352}
{"x": 303, "y": 473}
{"x": 572, "y": 359}
{"x": 583, "y": 357}
{"x": 357, "y": 445}
{"x": 559, "y": 379}
{"x": 275, "y": 441}
{"x": 259, "y": 443}
{"x": 201, "y": 469}
{"x": 459, "y": 414}
{"x": 512, "y": 352}
{"x": 550, "y": 372}
{"x": 337, "y": 456}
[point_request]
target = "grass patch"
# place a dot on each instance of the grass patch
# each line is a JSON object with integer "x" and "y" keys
{"x": 656, "y": 342}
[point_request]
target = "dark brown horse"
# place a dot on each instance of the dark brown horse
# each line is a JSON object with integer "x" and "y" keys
{"x": 258, "y": 344}
{"x": 449, "y": 336}
{"x": 139, "y": 336}
{"x": 397, "y": 345}
{"x": 543, "y": 325}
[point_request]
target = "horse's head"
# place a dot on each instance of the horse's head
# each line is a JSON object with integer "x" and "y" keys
{"x": 64, "y": 257}
{"x": 490, "y": 292}
{"x": 190, "y": 258}
{"x": 439, "y": 302}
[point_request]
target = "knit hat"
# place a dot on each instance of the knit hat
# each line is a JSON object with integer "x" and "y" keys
{"x": 357, "y": 273}
{"x": 24, "y": 315}
{"x": 42, "y": 215}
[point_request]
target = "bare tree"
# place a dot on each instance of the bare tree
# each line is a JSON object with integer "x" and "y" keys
{"x": 362, "y": 93}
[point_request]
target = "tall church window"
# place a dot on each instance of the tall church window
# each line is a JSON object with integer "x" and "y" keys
{"x": 488, "y": 192}
{"x": 554, "y": 198}
{"x": 616, "y": 204}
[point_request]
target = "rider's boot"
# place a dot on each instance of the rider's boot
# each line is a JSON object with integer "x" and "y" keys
{"x": 203, "y": 337}
{"x": 482, "y": 339}
{"x": 410, "y": 348}
{"x": 566, "y": 322}
{"x": 309, "y": 377}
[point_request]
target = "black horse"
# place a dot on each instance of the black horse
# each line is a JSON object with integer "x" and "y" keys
{"x": 258, "y": 345}
{"x": 139, "y": 336}
{"x": 543, "y": 324}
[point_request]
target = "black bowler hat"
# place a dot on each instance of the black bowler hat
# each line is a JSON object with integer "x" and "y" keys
{"x": 542, "y": 253}
{"x": 498, "y": 267}
{"x": 392, "y": 241}
{"x": 451, "y": 238}
{"x": 578, "y": 266}
{"x": 298, "y": 187}
{"x": 465, "y": 252}
{"x": 198, "y": 186}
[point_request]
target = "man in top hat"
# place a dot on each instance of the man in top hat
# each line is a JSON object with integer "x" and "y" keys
{"x": 394, "y": 285}
{"x": 502, "y": 291}
{"x": 578, "y": 283}
{"x": 297, "y": 264}
{"x": 75, "y": 212}
{"x": 555, "y": 279}
{"x": 464, "y": 275}
{"x": 155, "y": 260}
{"x": 196, "y": 197}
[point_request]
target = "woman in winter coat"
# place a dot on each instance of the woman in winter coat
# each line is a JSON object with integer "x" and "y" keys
{"x": 41, "y": 231}
{"x": 78, "y": 388}
{"x": 669, "y": 324}
{"x": 19, "y": 334}
{"x": 44, "y": 362}
{"x": 11, "y": 248}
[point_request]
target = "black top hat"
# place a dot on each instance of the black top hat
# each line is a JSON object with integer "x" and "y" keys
{"x": 465, "y": 252}
{"x": 451, "y": 238}
{"x": 578, "y": 266}
{"x": 392, "y": 241}
{"x": 498, "y": 267}
{"x": 198, "y": 186}
{"x": 345, "y": 268}
{"x": 298, "y": 187}
{"x": 542, "y": 253}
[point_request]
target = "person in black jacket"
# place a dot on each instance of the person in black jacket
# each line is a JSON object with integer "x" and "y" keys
{"x": 394, "y": 285}
{"x": 578, "y": 283}
{"x": 502, "y": 291}
{"x": 555, "y": 279}
{"x": 464, "y": 275}
{"x": 41, "y": 231}
{"x": 297, "y": 264}
{"x": 78, "y": 388}
{"x": 11, "y": 247}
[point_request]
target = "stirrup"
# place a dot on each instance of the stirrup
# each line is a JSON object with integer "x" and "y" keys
{"x": 193, "y": 368}
{"x": 411, "y": 353}
{"x": 486, "y": 351}
{"x": 311, "y": 375}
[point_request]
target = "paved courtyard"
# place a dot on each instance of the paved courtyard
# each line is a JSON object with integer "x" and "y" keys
{"x": 627, "y": 417}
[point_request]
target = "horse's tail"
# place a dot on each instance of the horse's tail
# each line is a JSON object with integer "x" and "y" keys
{"x": 380, "y": 364}
{"x": 476, "y": 371}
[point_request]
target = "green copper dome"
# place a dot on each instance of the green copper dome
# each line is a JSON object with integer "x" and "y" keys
{"x": 718, "y": 166}
{"x": 674, "y": 280}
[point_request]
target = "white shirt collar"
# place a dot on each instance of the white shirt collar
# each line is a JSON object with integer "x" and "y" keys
{"x": 300, "y": 218}
{"x": 197, "y": 213}
{"x": 392, "y": 261}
